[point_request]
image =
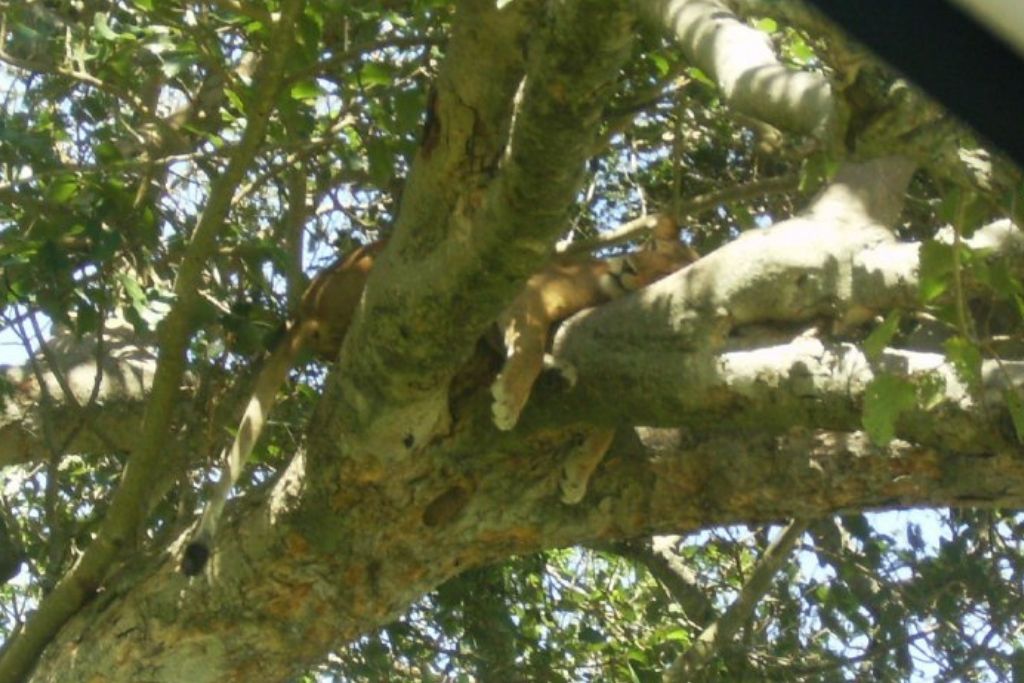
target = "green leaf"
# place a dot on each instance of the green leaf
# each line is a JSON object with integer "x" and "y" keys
{"x": 886, "y": 397}
{"x": 698, "y": 75}
{"x": 375, "y": 73}
{"x": 1016, "y": 407}
{"x": 99, "y": 22}
{"x": 931, "y": 390}
{"x": 881, "y": 336}
{"x": 660, "y": 63}
{"x": 767, "y": 25}
{"x": 678, "y": 635}
{"x": 936, "y": 263}
{"x": 999, "y": 277}
{"x": 964, "y": 209}
{"x": 87, "y": 318}
{"x": 62, "y": 189}
{"x": 134, "y": 291}
{"x": 744, "y": 218}
{"x": 408, "y": 110}
{"x": 802, "y": 52}
{"x": 305, "y": 91}
{"x": 966, "y": 359}
{"x": 107, "y": 152}
{"x": 235, "y": 99}
{"x": 380, "y": 159}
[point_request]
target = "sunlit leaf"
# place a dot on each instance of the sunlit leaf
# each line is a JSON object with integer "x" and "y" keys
{"x": 375, "y": 73}
{"x": 307, "y": 90}
{"x": 99, "y": 22}
{"x": 882, "y": 335}
{"x": 966, "y": 359}
{"x": 1016, "y": 408}
{"x": 886, "y": 397}
{"x": 936, "y": 264}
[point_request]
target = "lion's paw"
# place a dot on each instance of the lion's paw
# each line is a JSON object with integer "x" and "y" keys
{"x": 573, "y": 488}
{"x": 504, "y": 410}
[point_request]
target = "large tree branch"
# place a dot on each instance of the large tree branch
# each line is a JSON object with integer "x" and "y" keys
{"x": 660, "y": 557}
{"x": 485, "y": 203}
{"x": 323, "y": 562}
{"x": 125, "y": 375}
{"x": 477, "y": 504}
{"x": 741, "y": 61}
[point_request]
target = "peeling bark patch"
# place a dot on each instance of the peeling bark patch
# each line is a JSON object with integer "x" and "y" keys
{"x": 445, "y": 507}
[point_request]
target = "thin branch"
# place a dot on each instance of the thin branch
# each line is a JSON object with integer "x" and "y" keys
{"x": 722, "y": 631}
{"x": 54, "y": 70}
{"x": 124, "y": 165}
{"x": 640, "y": 227}
{"x": 292, "y": 225}
{"x": 51, "y": 570}
{"x": 671, "y": 572}
{"x": 330, "y": 67}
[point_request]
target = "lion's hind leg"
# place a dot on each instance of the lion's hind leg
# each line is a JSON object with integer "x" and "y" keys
{"x": 526, "y": 337}
{"x": 580, "y": 464}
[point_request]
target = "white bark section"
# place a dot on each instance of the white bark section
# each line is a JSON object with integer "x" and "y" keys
{"x": 126, "y": 370}
{"x": 694, "y": 343}
{"x": 1005, "y": 18}
{"x": 740, "y": 59}
{"x": 811, "y": 368}
{"x": 94, "y": 407}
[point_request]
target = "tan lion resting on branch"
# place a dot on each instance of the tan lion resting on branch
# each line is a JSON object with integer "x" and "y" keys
{"x": 567, "y": 285}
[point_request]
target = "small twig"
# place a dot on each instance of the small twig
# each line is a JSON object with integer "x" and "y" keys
{"x": 51, "y": 362}
{"x": 50, "y": 439}
{"x": 54, "y": 70}
{"x": 125, "y": 165}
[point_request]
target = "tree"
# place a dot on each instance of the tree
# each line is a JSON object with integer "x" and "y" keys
{"x": 849, "y": 342}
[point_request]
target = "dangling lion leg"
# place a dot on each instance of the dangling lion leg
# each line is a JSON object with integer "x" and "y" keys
{"x": 525, "y": 339}
{"x": 581, "y": 463}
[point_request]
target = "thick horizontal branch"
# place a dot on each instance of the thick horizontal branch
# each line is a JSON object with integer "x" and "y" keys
{"x": 664, "y": 357}
{"x": 808, "y": 382}
{"x": 676, "y": 349}
{"x": 477, "y": 504}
